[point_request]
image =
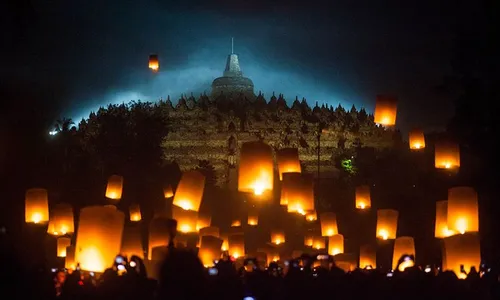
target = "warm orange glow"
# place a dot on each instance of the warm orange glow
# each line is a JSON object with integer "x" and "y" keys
{"x": 114, "y": 188}
{"x": 154, "y": 63}
{"x": 236, "y": 245}
{"x": 288, "y": 161}
{"x": 319, "y": 242}
{"x": 462, "y": 249}
{"x": 385, "y": 110}
{"x": 403, "y": 245}
{"x": 225, "y": 242}
{"x": 367, "y": 257}
{"x": 416, "y": 139}
{"x": 311, "y": 216}
{"x": 253, "y": 217}
{"x": 190, "y": 191}
{"x": 61, "y": 220}
{"x": 363, "y": 198}
{"x": 297, "y": 190}
{"x": 256, "y": 168}
{"x": 204, "y": 220}
{"x": 99, "y": 237}
{"x": 236, "y": 223}
{"x": 441, "y": 226}
{"x": 168, "y": 192}
{"x": 36, "y": 206}
{"x": 210, "y": 231}
{"x": 132, "y": 241}
{"x": 69, "y": 261}
{"x": 336, "y": 244}
{"x": 277, "y": 236}
{"x": 62, "y": 244}
{"x": 446, "y": 155}
{"x": 463, "y": 210}
{"x": 135, "y": 213}
{"x": 308, "y": 240}
{"x": 186, "y": 219}
{"x": 387, "y": 224}
{"x": 328, "y": 224}
{"x": 346, "y": 261}
{"x": 210, "y": 250}
{"x": 158, "y": 234}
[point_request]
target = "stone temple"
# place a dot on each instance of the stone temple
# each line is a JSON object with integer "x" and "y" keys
{"x": 232, "y": 81}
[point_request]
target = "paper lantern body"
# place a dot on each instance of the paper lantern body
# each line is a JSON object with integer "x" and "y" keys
{"x": 363, "y": 198}
{"x": 446, "y": 155}
{"x": 385, "y": 110}
{"x": 441, "y": 229}
{"x": 114, "y": 188}
{"x": 154, "y": 63}
{"x": 69, "y": 261}
{"x": 277, "y": 236}
{"x": 298, "y": 190}
{"x": 236, "y": 245}
{"x": 210, "y": 250}
{"x": 463, "y": 210}
{"x": 403, "y": 245}
{"x": 159, "y": 234}
{"x": 256, "y": 168}
{"x": 328, "y": 224}
{"x": 61, "y": 220}
{"x": 387, "y": 224}
{"x": 132, "y": 241}
{"x": 367, "y": 257}
{"x": 311, "y": 216}
{"x": 62, "y": 244}
{"x": 288, "y": 161}
{"x": 186, "y": 219}
{"x": 37, "y": 206}
{"x": 319, "y": 242}
{"x": 135, "y": 213}
{"x": 336, "y": 244}
{"x": 168, "y": 192}
{"x": 462, "y": 249}
{"x": 189, "y": 192}
{"x": 416, "y": 139}
{"x": 253, "y": 217}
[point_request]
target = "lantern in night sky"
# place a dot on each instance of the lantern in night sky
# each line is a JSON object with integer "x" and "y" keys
{"x": 154, "y": 63}
{"x": 416, "y": 139}
{"x": 463, "y": 210}
{"x": 462, "y": 250}
{"x": 328, "y": 224}
{"x": 114, "y": 188}
{"x": 363, "y": 198}
{"x": 236, "y": 245}
{"x": 256, "y": 168}
{"x": 253, "y": 217}
{"x": 61, "y": 220}
{"x": 441, "y": 229}
{"x": 387, "y": 224}
{"x": 336, "y": 244}
{"x": 308, "y": 240}
{"x": 385, "y": 110}
{"x": 62, "y": 244}
{"x": 159, "y": 234}
{"x": 69, "y": 261}
{"x": 288, "y": 161}
{"x": 446, "y": 155}
{"x": 367, "y": 257}
{"x": 135, "y": 213}
{"x": 189, "y": 192}
{"x": 319, "y": 242}
{"x": 277, "y": 236}
{"x": 210, "y": 250}
{"x": 168, "y": 192}
{"x": 186, "y": 219}
{"x": 404, "y": 245}
{"x": 298, "y": 189}
{"x": 311, "y": 216}
{"x": 36, "y": 206}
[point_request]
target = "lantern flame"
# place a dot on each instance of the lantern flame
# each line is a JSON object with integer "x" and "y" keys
{"x": 185, "y": 204}
{"x": 36, "y": 218}
{"x": 362, "y": 206}
{"x": 185, "y": 228}
{"x": 461, "y": 225}
{"x": 384, "y": 234}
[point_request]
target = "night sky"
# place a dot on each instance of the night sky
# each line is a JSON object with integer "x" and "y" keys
{"x": 95, "y": 52}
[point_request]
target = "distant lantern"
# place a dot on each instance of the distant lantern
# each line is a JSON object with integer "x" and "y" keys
{"x": 62, "y": 244}
{"x": 404, "y": 245}
{"x": 277, "y": 236}
{"x": 99, "y": 237}
{"x": 308, "y": 240}
{"x": 328, "y": 224}
{"x": 225, "y": 242}
{"x": 190, "y": 190}
{"x": 288, "y": 161}
{"x": 61, "y": 220}
{"x": 210, "y": 250}
{"x": 446, "y": 155}
{"x": 253, "y": 217}
{"x": 298, "y": 189}
{"x": 114, "y": 188}
{"x": 367, "y": 257}
{"x": 204, "y": 220}
{"x": 387, "y": 224}
{"x": 441, "y": 226}
{"x": 212, "y": 231}
{"x": 36, "y": 206}
{"x": 236, "y": 245}
{"x": 256, "y": 168}
{"x": 385, "y": 110}
{"x": 135, "y": 212}
{"x": 132, "y": 241}
{"x": 319, "y": 242}
{"x": 417, "y": 139}
{"x": 69, "y": 261}
{"x": 236, "y": 223}
{"x": 463, "y": 210}
{"x": 186, "y": 219}
{"x": 272, "y": 254}
{"x": 363, "y": 198}
{"x": 462, "y": 250}
{"x": 168, "y": 192}
{"x": 336, "y": 244}
{"x": 154, "y": 63}
{"x": 311, "y": 216}
{"x": 159, "y": 234}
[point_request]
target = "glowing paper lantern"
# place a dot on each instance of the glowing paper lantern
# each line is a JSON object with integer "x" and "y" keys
{"x": 190, "y": 191}
{"x": 311, "y": 216}
{"x": 308, "y": 240}
{"x": 298, "y": 190}
{"x": 367, "y": 257}
{"x": 168, "y": 192}
{"x": 132, "y": 242}
{"x": 463, "y": 210}
{"x": 446, "y": 155}
{"x": 288, "y": 161}
{"x": 69, "y": 261}
{"x": 385, "y": 111}
{"x": 154, "y": 63}
{"x": 346, "y": 261}
{"x": 236, "y": 223}
{"x": 61, "y": 220}
{"x": 387, "y": 224}
{"x": 236, "y": 245}
{"x": 441, "y": 227}
{"x": 328, "y": 224}
{"x": 204, "y": 220}
{"x": 114, "y": 188}
{"x": 363, "y": 198}
{"x": 253, "y": 217}
{"x": 210, "y": 250}
{"x": 186, "y": 219}
{"x": 62, "y": 244}
{"x": 225, "y": 242}
{"x": 210, "y": 231}
{"x": 36, "y": 206}
{"x": 319, "y": 242}
{"x": 404, "y": 245}
{"x": 462, "y": 249}
{"x": 135, "y": 213}
{"x": 277, "y": 236}
{"x": 256, "y": 168}
{"x": 159, "y": 234}
{"x": 99, "y": 237}
{"x": 336, "y": 244}
{"x": 272, "y": 255}
{"x": 417, "y": 139}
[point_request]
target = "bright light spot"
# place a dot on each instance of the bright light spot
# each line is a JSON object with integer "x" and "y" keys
{"x": 447, "y": 232}
{"x": 36, "y": 218}
{"x": 277, "y": 241}
{"x": 462, "y": 276}
{"x": 406, "y": 264}
{"x": 91, "y": 260}
{"x": 310, "y": 218}
{"x": 236, "y": 255}
{"x": 258, "y": 188}
{"x": 427, "y": 270}
{"x": 53, "y": 132}
{"x": 185, "y": 228}
{"x": 330, "y": 232}
{"x": 335, "y": 251}
{"x": 135, "y": 217}
{"x": 252, "y": 222}
{"x": 185, "y": 204}
{"x": 447, "y": 165}
{"x": 383, "y": 234}
{"x": 417, "y": 145}
{"x": 461, "y": 225}
{"x": 362, "y": 205}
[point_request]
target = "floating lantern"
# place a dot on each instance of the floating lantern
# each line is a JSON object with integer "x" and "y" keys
{"x": 225, "y": 242}
{"x": 288, "y": 161}
{"x": 114, "y": 188}
{"x": 256, "y": 168}
{"x": 190, "y": 190}
{"x": 186, "y": 219}
{"x": 441, "y": 227}
{"x": 363, "y": 199}
{"x": 272, "y": 255}
{"x": 463, "y": 210}
{"x": 387, "y": 224}
{"x": 308, "y": 240}
{"x": 154, "y": 63}
{"x": 336, "y": 244}
{"x": 212, "y": 231}
{"x": 168, "y": 192}
{"x": 319, "y": 242}
{"x": 62, "y": 244}
{"x": 328, "y": 224}
{"x": 210, "y": 250}
{"x": 204, "y": 220}
{"x": 346, "y": 261}
{"x": 36, "y": 206}
{"x": 135, "y": 213}
{"x": 236, "y": 245}
{"x": 404, "y": 245}
{"x": 69, "y": 261}
{"x": 132, "y": 242}
{"x": 446, "y": 155}
{"x": 236, "y": 223}
{"x": 253, "y": 217}
{"x": 462, "y": 250}
{"x": 277, "y": 236}
{"x": 99, "y": 237}
{"x": 417, "y": 139}
{"x": 159, "y": 234}
{"x": 61, "y": 220}
{"x": 385, "y": 110}
{"x": 367, "y": 257}
{"x": 311, "y": 216}
{"x": 298, "y": 190}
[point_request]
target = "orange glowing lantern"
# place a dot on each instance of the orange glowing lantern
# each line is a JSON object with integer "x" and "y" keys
{"x": 62, "y": 244}
{"x": 299, "y": 193}
{"x": 416, "y": 139}
{"x": 328, "y": 224}
{"x": 236, "y": 245}
{"x": 99, "y": 237}
{"x": 204, "y": 220}
{"x": 446, "y": 155}
{"x": 225, "y": 242}
{"x": 367, "y": 257}
{"x": 308, "y": 240}
{"x": 346, "y": 261}
{"x": 210, "y": 250}
{"x": 37, "y": 206}
{"x": 385, "y": 110}
{"x": 159, "y": 234}
{"x": 132, "y": 242}
{"x": 463, "y": 210}
{"x": 256, "y": 168}
{"x": 336, "y": 244}
{"x": 311, "y": 216}
{"x": 168, "y": 192}
{"x": 462, "y": 250}
{"x": 441, "y": 227}
{"x": 319, "y": 242}
{"x": 190, "y": 191}
{"x": 69, "y": 261}
{"x": 154, "y": 63}
{"x": 272, "y": 255}
{"x": 210, "y": 231}
{"x": 61, "y": 220}
{"x": 236, "y": 223}
{"x": 114, "y": 188}
{"x": 277, "y": 236}
{"x": 363, "y": 198}
{"x": 288, "y": 161}
{"x": 387, "y": 224}
{"x": 253, "y": 217}
{"x": 404, "y": 245}
{"x": 135, "y": 213}
{"x": 186, "y": 219}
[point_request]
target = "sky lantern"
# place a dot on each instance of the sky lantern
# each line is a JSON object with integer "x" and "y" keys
{"x": 363, "y": 198}
{"x": 404, "y": 245}
{"x": 416, "y": 139}
{"x": 299, "y": 193}
{"x": 441, "y": 226}
{"x": 236, "y": 245}
{"x": 36, "y": 206}
{"x": 135, "y": 213}
{"x": 288, "y": 161}
{"x": 225, "y": 242}
{"x": 256, "y": 168}
{"x": 212, "y": 231}
{"x": 319, "y": 242}
{"x": 62, "y": 244}
{"x": 159, "y": 234}
{"x": 367, "y": 257}
{"x": 99, "y": 237}
{"x": 308, "y": 240}
{"x": 311, "y": 216}
{"x": 210, "y": 250}
{"x": 336, "y": 244}
{"x": 446, "y": 155}
{"x": 168, "y": 192}
{"x": 186, "y": 219}
{"x": 387, "y": 224}
{"x": 154, "y": 63}
{"x": 114, "y": 188}
{"x": 61, "y": 220}
{"x": 385, "y": 110}
{"x": 272, "y": 254}
{"x": 236, "y": 223}
{"x": 277, "y": 236}
{"x": 204, "y": 220}
{"x": 462, "y": 249}
{"x": 463, "y": 210}
{"x": 190, "y": 190}
{"x": 69, "y": 261}
{"x": 132, "y": 241}
{"x": 253, "y": 217}
{"x": 328, "y": 224}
